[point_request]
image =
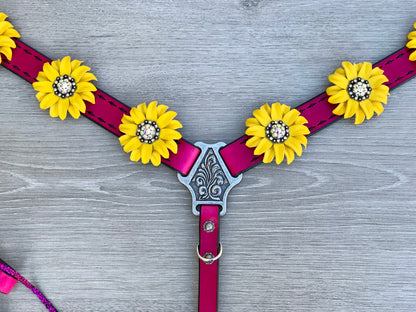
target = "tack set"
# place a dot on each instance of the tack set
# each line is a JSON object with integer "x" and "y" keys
{"x": 149, "y": 133}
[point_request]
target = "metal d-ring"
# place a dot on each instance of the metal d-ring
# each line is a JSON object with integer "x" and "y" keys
{"x": 205, "y": 257}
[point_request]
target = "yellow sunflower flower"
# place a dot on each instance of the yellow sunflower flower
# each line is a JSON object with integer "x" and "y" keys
{"x": 149, "y": 132}
{"x": 277, "y": 131}
{"x": 412, "y": 43}
{"x": 358, "y": 90}
{"x": 63, "y": 86}
{"x": 6, "y": 34}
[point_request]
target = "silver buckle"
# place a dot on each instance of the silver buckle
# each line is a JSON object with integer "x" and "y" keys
{"x": 209, "y": 180}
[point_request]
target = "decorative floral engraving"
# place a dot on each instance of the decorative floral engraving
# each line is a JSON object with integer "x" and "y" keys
{"x": 209, "y": 181}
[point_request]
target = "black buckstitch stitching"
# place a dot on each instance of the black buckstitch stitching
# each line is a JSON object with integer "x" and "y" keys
{"x": 391, "y": 61}
{"x": 125, "y": 111}
{"x": 399, "y": 78}
{"x": 313, "y": 104}
{"x": 255, "y": 158}
{"x": 112, "y": 103}
{"x": 389, "y": 84}
{"x": 410, "y": 72}
{"x": 119, "y": 107}
{"x": 243, "y": 141}
{"x": 101, "y": 119}
{"x": 322, "y": 122}
{"x": 28, "y": 52}
{"x": 16, "y": 68}
{"x": 99, "y": 95}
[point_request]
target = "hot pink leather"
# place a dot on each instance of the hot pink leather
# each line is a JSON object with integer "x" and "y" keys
{"x": 238, "y": 157}
{"x": 184, "y": 159}
{"x": 107, "y": 111}
{"x": 397, "y": 67}
{"x": 208, "y": 273}
{"x": 26, "y": 62}
{"x": 318, "y": 111}
{"x": 6, "y": 282}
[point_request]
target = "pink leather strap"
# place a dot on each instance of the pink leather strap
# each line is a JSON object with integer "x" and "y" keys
{"x": 26, "y": 62}
{"x": 238, "y": 157}
{"x": 107, "y": 111}
{"x": 318, "y": 111}
{"x": 397, "y": 67}
{"x": 208, "y": 272}
{"x": 7, "y": 282}
{"x": 184, "y": 159}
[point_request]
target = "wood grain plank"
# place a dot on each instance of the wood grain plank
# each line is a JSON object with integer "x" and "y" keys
{"x": 334, "y": 231}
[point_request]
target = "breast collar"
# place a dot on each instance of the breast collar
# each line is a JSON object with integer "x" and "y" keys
{"x": 210, "y": 171}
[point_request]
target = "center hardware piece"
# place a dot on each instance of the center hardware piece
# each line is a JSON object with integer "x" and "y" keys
{"x": 209, "y": 180}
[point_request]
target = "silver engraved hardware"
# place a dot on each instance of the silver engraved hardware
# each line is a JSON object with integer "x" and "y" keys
{"x": 209, "y": 180}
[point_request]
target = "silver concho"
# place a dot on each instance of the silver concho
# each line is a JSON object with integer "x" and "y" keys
{"x": 209, "y": 180}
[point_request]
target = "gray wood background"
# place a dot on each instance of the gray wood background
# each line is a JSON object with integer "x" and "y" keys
{"x": 334, "y": 231}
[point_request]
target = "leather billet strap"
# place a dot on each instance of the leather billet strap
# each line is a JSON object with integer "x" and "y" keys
{"x": 107, "y": 111}
{"x": 318, "y": 111}
{"x": 208, "y": 247}
{"x": 9, "y": 277}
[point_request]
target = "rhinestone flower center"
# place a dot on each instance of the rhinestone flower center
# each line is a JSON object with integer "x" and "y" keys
{"x": 148, "y": 131}
{"x": 64, "y": 86}
{"x": 359, "y": 89}
{"x": 277, "y": 131}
